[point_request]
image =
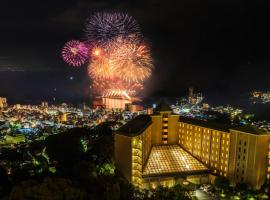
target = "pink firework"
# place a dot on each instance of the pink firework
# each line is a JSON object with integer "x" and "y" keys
{"x": 75, "y": 53}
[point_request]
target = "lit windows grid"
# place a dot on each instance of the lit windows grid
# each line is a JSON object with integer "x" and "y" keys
{"x": 208, "y": 145}
{"x": 165, "y": 128}
{"x": 171, "y": 159}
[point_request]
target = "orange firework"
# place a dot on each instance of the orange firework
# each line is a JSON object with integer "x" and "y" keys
{"x": 97, "y": 52}
{"x": 121, "y": 69}
{"x": 132, "y": 61}
{"x": 101, "y": 69}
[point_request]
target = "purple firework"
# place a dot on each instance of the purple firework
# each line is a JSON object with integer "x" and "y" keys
{"x": 75, "y": 53}
{"x": 102, "y": 27}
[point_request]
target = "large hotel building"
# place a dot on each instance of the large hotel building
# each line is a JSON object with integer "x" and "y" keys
{"x": 165, "y": 149}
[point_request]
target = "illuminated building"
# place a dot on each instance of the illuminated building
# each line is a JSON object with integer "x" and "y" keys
{"x": 63, "y": 117}
{"x": 165, "y": 148}
{"x": 194, "y": 98}
{"x": 3, "y": 102}
{"x": 44, "y": 104}
{"x": 111, "y": 102}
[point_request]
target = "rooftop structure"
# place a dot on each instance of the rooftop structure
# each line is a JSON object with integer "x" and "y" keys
{"x": 136, "y": 126}
{"x": 207, "y": 124}
{"x": 163, "y": 107}
{"x": 167, "y": 160}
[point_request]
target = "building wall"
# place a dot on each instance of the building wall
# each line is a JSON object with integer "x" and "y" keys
{"x": 131, "y": 154}
{"x": 156, "y": 129}
{"x": 141, "y": 147}
{"x": 242, "y": 157}
{"x": 165, "y": 128}
{"x": 210, "y": 146}
{"x": 248, "y": 162}
{"x": 173, "y": 129}
{"x": 122, "y": 152}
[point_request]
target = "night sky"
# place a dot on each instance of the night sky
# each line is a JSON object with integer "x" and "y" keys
{"x": 222, "y": 48}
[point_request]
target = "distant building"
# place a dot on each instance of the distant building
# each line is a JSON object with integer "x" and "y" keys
{"x": 194, "y": 98}
{"x": 44, "y": 104}
{"x": 111, "y": 102}
{"x": 165, "y": 148}
{"x": 3, "y": 102}
{"x": 134, "y": 108}
{"x": 62, "y": 117}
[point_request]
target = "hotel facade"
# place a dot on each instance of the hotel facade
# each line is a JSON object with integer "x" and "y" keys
{"x": 166, "y": 149}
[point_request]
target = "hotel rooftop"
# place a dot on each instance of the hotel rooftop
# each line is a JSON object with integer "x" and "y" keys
{"x": 172, "y": 160}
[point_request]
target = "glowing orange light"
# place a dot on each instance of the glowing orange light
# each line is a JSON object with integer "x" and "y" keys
{"x": 97, "y": 52}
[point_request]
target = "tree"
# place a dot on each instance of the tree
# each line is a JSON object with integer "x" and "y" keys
{"x": 67, "y": 148}
{"x": 222, "y": 182}
{"x": 5, "y": 184}
{"x": 48, "y": 188}
{"x": 173, "y": 193}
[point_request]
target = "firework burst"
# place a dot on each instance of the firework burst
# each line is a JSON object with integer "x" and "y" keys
{"x": 75, "y": 53}
{"x": 101, "y": 69}
{"x": 120, "y": 59}
{"x": 102, "y": 27}
{"x": 132, "y": 61}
